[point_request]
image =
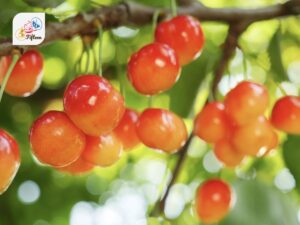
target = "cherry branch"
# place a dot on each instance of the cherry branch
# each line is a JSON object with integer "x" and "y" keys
{"x": 132, "y": 13}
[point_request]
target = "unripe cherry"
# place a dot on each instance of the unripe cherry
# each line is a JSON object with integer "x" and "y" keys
{"x": 161, "y": 129}
{"x": 126, "y": 132}
{"x": 93, "y": 104}
{"x": 212, "y": 123}
{"x": 246, "y": 101}
{"x": 213, "y": 201}
{"x": 184, "y": 34}
{"x": 55, "y": 140}
{"x": 153, "y": 69}
{"x": 286, "y": 114}
{"x": 78, "y": 167}
{"x": 26, "y": 75}
{"x": 103, "y": 151}
{"x": 9, "y": 159}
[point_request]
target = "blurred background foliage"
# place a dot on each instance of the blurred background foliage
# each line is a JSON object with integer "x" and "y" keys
{"x": 266, "y": 189}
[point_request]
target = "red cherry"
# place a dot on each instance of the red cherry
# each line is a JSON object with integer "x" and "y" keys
{"x": 227, "y": 154}
{"x": 93, "y": 104}
{"x": 184, "y": 34}
{"x": 253, "y": 138}
{"x": 78, "y": 167}
{"x": 126, "y": 132}
{"x": 55, "y": 140}
{"x": 102, "y": 151}
{"x": 286, "y": 114}
{"x": 153, "y": 69}
{"x": 212, "y": 123}
{"x": 161, "y": 129}
{"x": 9, "y": 159}
{"x": 213, "y": 201}
{"x": 246, "y": 101}
{"x": 26, "y": 76}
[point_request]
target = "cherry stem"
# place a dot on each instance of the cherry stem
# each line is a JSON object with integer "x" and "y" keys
{"x": 283, "y": 92}
{"x": 155, "y": 19}
{"x": 8, "y": 73}
{"x": 173, "y": 8}
{"x": 150, "y": 101}
{"x": 245, "y": 67}
{"x": 87, "y": 50}
{"x": 100, "y": 37}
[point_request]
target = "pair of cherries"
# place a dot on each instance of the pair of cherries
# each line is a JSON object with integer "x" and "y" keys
{"x": 238, "y": 127}
{"x": 156, "y": 67}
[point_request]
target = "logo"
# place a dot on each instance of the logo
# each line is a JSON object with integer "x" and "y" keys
{"x": 28, "y": 28}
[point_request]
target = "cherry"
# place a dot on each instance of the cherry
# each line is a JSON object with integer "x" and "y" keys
{"x": 161, "y": 129}
{"x": 212, "y": 123}
{"x": 153, "y": 69}
{"x": 9, "y": 159}
{"x": 26, "y": 75}
{"x": 78, "y": 167}
{"x": 213, "y": 200}
{"x": 246, "y": 101}
{"x": 184, "y": 34}
{"x": 253, "y": 138}
{"x": 55, "y": 140}
{"x": 227, "y": 154}
{"x": 126, "y": 132}
{"x": 102, "y": 151}
{"x": 273, "y": 144}
{"x": 93, "y": 104}
{"x": 286, "y": 114}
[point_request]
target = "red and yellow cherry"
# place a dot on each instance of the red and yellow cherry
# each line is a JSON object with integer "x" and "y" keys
{"x": 93, "y": 104}
{"x": 80, "y": 166}
{"x": 273, "y": 144}
{"x": 55, "y": 140}
{"x": 246, "y": 101}
{"x": 103, "y": 151}
{"x": 9, "y": 159}
{"x": 26, "y": 75}
{"x": 213, "y": 201}
{"x": 184, "y": 34}
{"x": 253, "y": 138}
{"x": 227, "y": 154}
{"x": 161, "y": 129}
{"x": 286, "y": 114}
{"x": 212, "y": 123}
{"x": 126, "y": 132}
{"x": 153, "y": 69}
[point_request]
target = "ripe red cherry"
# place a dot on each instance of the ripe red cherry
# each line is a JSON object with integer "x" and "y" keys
{"x": 78, "y": 167}
{"x": 55, "y": 140}
{"x": 153, "y": 69}
{"x": 246, "y": 101}
{"x": 161, "y": 129}
{"x": 93, "y": 104}
{"x": 212, "y": 123}
{"x": 227, "y": 154}
{"x": 102, "y": 151}
{"x": 126, "y": 132}
{"x": 253, "y": 138}
{"x": 26, "y": 76}
{"x": 213, "y": 201}
{"x": 286, "y": 114}
{"x": 9, "y": 159}
{"x": 184, "y": 34}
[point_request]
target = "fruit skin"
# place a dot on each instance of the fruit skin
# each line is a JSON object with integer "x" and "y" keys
{"x": 213, "y": 201}
{"x": 286, "y": 114}
{"x": 253, "y": 138}
{"x": 161, "y": 129}
{"x": 212, "y": 123}
{"x": 9, "y": 159}
{"x": 55, "y": 140}
{"x": 227, "y": 154}
{"x": 184, "y": 34}
{"x": 246, "y": 101}
{"x": 153, "y": 69}
{"x": 126, "y": 132}
{"x": 93, "y": 104}
{"x": 78, "y": 167}
{"x": 26, "y": 76}
{"x": 102, "y": 151}
{"x": 273, "y": 144}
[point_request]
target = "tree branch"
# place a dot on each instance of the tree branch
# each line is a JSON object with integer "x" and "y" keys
{"x": 132, "y": 13}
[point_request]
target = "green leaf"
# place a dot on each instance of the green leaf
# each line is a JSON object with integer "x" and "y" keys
{"x": 44, "y": 3}
{"x": 274, "y": 50}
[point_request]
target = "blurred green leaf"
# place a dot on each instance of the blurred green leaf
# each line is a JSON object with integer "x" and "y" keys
{"x": 44, "y": 3}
